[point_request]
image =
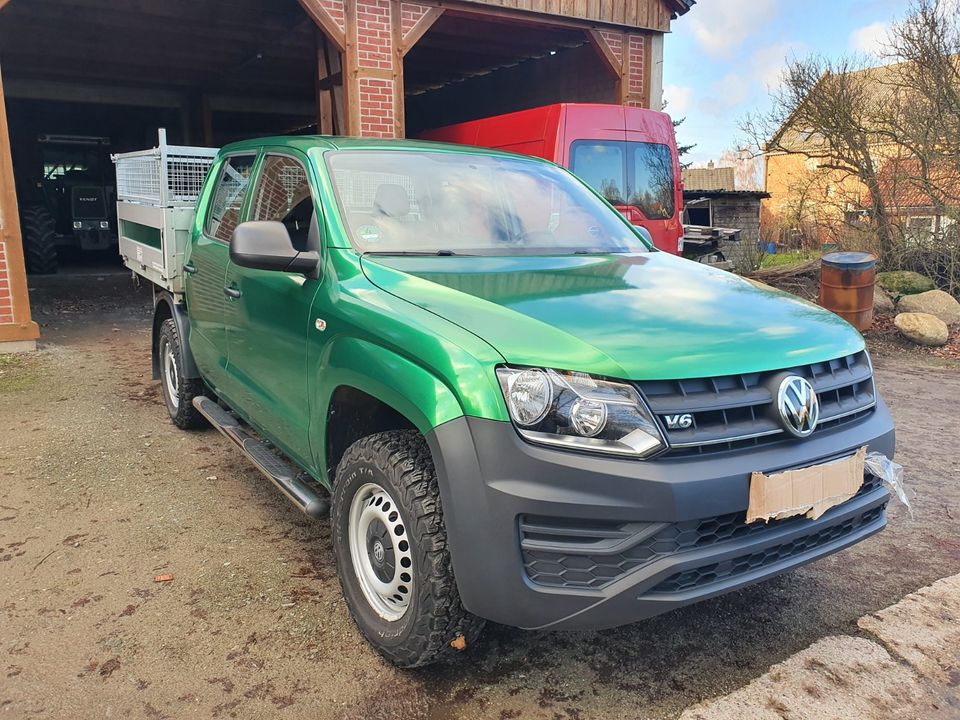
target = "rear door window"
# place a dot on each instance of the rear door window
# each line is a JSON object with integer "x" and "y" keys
{"x": 228, "y": 196}
{"x": 628, "y": 173}
{"x": 601, "y": 165}
{"x": 651, "y": 179}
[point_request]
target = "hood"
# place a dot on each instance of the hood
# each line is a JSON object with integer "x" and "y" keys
{"x": 639, "y": 317}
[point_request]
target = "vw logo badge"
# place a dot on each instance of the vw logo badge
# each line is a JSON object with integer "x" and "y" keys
{"x": 798, "y": 405}
{"x": 378, "y": 551}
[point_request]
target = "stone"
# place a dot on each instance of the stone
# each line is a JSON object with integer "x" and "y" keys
{"x": 882, "y": 303}
{"x": 922, "y": 329}
{"x": 904, "y": 282}
{"x": 933, "y": 302}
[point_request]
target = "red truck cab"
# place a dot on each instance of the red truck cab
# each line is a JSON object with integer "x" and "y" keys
{"x": 629, "y": 155}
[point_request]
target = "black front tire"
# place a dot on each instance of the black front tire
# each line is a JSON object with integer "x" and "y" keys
{"x": 178, "y": 391}
{"x": 435, "y": 621}
{"x": 39, "y": 240}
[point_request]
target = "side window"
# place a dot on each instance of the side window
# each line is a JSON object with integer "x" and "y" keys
{"x": 228, "y": 195}
{"x": 283, "y": 195}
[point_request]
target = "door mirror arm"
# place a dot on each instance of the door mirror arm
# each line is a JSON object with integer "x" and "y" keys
{"x": 266, "y": 245}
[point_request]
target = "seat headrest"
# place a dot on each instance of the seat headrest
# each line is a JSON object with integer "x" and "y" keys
{"x": 391, "y": 200}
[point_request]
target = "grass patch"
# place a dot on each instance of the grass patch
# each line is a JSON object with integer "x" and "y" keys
{"x": 789, "y": 258}
{"x": 19, "y": 372}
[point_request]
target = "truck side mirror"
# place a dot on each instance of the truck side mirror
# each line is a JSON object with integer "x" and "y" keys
{"x": 266, "y": 245}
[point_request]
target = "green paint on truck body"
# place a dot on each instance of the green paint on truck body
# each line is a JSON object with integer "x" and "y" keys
{"x": 424, "y": 334}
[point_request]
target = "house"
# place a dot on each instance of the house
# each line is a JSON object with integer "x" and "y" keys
{"x": 814, "y": 200}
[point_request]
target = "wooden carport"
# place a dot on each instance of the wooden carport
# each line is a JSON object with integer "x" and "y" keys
{"x": 329, "y": 66}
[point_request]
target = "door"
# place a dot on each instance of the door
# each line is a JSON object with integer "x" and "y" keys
{"x": 206, "y": 267}
{"x": 268, "y": 318}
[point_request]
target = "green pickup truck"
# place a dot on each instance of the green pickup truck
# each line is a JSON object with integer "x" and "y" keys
{"x": 509, "y": 404}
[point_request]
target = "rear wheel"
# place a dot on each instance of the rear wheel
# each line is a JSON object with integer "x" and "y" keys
{"x": 39, "y": 240}
{"x": 391, "y": 550}
{"x": 178, "y": 391}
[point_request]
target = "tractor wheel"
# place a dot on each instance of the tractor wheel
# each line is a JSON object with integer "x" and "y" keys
{"x": 39, "y": 240}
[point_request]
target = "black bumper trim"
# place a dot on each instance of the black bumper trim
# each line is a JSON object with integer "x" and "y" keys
{"x": 489, "y": 478}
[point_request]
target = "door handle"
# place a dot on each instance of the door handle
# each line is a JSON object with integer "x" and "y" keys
{"x": 187, "y": 267}
{"x": 232, "y": 292}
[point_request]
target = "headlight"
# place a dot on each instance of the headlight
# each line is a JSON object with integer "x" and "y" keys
{"x": 581, "y": 412}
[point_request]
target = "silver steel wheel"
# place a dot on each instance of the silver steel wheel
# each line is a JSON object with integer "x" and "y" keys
{"x": 380, "y": 552}
{"x": 168, "y": 366}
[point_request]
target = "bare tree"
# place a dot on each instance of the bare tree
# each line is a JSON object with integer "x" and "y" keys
{"x": 923, "y": 116}
{"x": 747, "y": 168}
{"x": 827, "y": 112}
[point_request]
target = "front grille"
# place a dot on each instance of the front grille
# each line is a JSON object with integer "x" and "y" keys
{"x": 707, "y": 574}
{"x": 580, "y": 554}
{"x": 732, "y": 412}
{"x": 88, "y": 203}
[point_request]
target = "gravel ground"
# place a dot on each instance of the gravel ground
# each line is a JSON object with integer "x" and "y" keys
{"x": 99, "y": 494}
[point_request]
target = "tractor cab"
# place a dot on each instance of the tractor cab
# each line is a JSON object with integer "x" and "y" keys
{"x": 71, "y": 201}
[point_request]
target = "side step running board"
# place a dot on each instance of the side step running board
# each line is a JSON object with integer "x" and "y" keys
{"x": 280, "y": 473}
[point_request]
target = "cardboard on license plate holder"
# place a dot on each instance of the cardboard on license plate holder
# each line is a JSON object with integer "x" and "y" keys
{"x": 809, "y": 491}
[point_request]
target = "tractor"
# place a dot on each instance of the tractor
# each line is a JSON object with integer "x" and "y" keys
{"x": 68, "y": 201}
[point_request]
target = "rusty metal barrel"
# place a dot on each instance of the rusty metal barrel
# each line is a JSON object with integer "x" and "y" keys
{"x": 846, "y": 286}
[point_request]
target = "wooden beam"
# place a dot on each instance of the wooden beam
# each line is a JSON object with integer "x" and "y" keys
{"x": 22, "y": 329}
{"x": 325, "y": 22}
{"x": 324, "y": 92}
{"x": 419, "y": 29}
{"x": 351, "y": 71}
{"x": 396, "y": 57}
{"x": 206, "y": 120}
{"x": 599, "y": 43}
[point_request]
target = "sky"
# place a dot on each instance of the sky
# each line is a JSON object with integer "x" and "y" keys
{"x": 722, "y": 57}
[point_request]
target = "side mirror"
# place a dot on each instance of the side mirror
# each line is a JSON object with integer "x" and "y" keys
{"x": 266, "y": 245}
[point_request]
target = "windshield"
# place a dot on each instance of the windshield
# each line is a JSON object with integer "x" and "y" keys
{"x": 72, "y": 162}
{"x": 628, "y": 173}
{"x": 397, "y": 202}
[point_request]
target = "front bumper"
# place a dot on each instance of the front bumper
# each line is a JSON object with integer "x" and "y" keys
{"x": 543, "y": 538}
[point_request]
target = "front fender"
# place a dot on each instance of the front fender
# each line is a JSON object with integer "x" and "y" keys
{"x": 408, "y": 388}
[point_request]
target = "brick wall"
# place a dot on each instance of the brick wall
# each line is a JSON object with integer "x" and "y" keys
{"x": 6, "y": 301}
{"x": 635, "y": 72}
{"x": 410, "y": 15}
{"x": 634, "y": 87}
{"x": 375, "y": 66}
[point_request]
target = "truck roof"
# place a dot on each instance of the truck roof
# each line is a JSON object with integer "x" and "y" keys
{"x": 303, "y": 143}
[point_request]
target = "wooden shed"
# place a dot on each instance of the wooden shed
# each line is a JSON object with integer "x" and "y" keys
{"x": 212, "y": 71}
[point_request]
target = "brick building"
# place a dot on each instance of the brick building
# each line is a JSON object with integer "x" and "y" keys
{"x": 213, "y": 71}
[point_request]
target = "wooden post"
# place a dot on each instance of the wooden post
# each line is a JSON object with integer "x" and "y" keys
{"x": 206, "y": 120}
{"x": 18, "y": 332}
{"x": 324, "y": 94}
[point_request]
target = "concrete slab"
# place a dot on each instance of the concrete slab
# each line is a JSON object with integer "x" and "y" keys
{"x": 924, "y": 630}
{"x": 836, "y": 678}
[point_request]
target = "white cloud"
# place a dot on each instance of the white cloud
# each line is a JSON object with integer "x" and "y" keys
{"x": 722, "y": 26}
{"x": 677, "y": 98}
{"x": 870, "y": 39}
{"x": 770, "y": 61}
{"x": 725, "y": 94}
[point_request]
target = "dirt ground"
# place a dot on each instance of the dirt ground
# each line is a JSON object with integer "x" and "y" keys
{"x": 99, "y": 494}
